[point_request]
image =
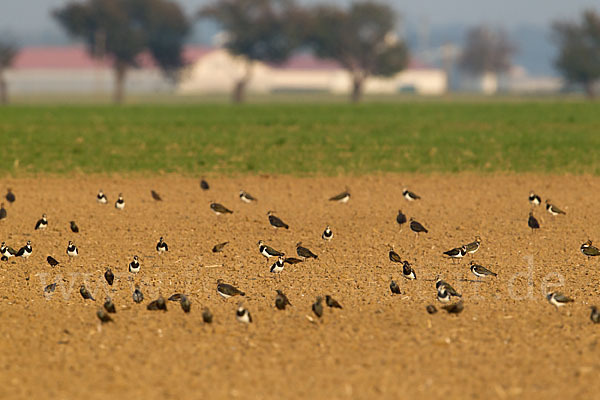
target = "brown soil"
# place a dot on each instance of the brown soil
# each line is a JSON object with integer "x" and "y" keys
{"x": 505, "y": 344}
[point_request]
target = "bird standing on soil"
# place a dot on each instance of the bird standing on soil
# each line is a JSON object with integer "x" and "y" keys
{"x": 455, "y": 308}
{"x": 109, "y": 276}
{"x": 327, "y": 234}
{"x": 204, "y": 185}
{"x": 277, "y": 267}
{"x": 268, "y": 251}
{"x": 109, "y": 306}
{"x": 7, "y": 251}
{"x": 408, "y": 271}
{"x": 85, "y": 293}
{"x": 161, "y": 246}
{"x": 207, "y": 316}
{"x": 72, "y": 250}
{"x": 458, "y": 252}
{"x": 186, "y": 305}
{"x": 532, "y": 222}
{"x": 400, "y": 218}
{"x": 342, "y": 197}
{"x": 226, "y": 290}
{"x": 441, "y": 284}
{"x": 10, "y": 196}
{"x": 243, "y": 315}
{"x": 281, "y": 300}
{"x": 138, "y": 296}
{"x": 317, "y": 307}
{"x": 480, "y": 271}
{"x": 217, "y": 248}
{"x": 103, "y": 316}
{"x": 155, "y": 195}
{"x": 220, "y": 209}
{"x": 552, "y": 209}
{"x": 394, "y": 288}
{"x": 443, "y": 296}
{"x": 120, "y": 203}
{"x": 134, "y": 265}
{"x": 595, "y": 315}
{"x": 589, "y": 250}
{"x": 417, "y": 227}
{"x": 246, "y": 197}
{"x": 74, "y": 227}
{"x": 101, "y": 197}
{"x": 42, "y": 223}
{"x": 410, "y": 196}
{"x": 534, "y": 199}
{"x": 558, "y": 299}
{"x": 304, "y": 252}
{"x": 331, "y": 302}
{"x": 3, "y": 213}
{"x": 276, "y": 222}
{"x": 25, "y": 251}
{"x": 158, "y": 304}
{"x": 51, "y": 261}
{"x": 393, "y": 256}
{"x": 472, "y": 247}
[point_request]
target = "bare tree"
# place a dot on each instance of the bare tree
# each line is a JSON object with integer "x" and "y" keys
{"x": 8, "y": 52}
{"x": 486, "y": 50}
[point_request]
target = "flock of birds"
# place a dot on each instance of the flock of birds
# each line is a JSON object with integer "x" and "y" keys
{"x": 445, "y": 292}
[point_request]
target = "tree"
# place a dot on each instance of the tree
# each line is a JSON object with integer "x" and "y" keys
{"x": 256, "y": 30}
{"x": 486, "y": 51}
{"x": 579, "y": 50}
{"x": 123, "y": 29}
{"x": 361, "y": 39}
{"x": 8, "y": 52}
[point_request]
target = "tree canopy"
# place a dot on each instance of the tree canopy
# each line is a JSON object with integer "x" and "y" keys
{"x": 8, "y": 52}
{"x": 486, "y": 50}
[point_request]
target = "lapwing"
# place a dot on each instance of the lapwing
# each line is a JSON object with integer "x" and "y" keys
{"x": 417, "y": 227}
{"x": 220, "y": 209}
{"x": 10, "y": 196}
{"x": 74, "y": 227}
{"x": 410, "y": 196}
{"x": 281, "y": 300}
{"x": 317, "y": 307}
{"x": 161, "y": 246}
{"x": 50, "y": 288}
{"x": 277, "y": 267}
{"x": 85, "y": 293}
{"x": 175, "y": 297}
{"x": 268, "y": 251}
{"x": 532, "y": 222}
{"x": 304, "y": 252}
{"x": 394, "y": 288}
{"x": 25, "y": 251}
{"x": 103, "y": 316}
{"x": 588, "y": 250}
{"x": 226, "y": 290}
{"x": 327, "y": 234}
{"x": 42, "y": 223}
{"x": 243, "y": 315}
{"x": 207, "y": 316}
{"x": 443, "y": 296}
{"x": 472, "y": 247}
{"x": 101, "y": 197}
{"x": 552, "y": 209}
{"x": 534, "y": 199}
{"x": 342, "y": 197}
{"x": 7, "y": 251}
{"x": 158, "y": 304}
{"x": 558, "y": 299}
{"x": 204, "y": 185}
{"x": 109, "y": 276}
{"x": 439, "y": 284}
{"x": 595, "y": 315}
{"x": 394, "y": 257}
{"x": 155, "y": 195}
{"x": 134, "y": 265}
{"x": 408, "y": 271}
{"x": 138, "y": 296}
{"x": 331, "y": 302}
{"x": 109, "y": 306}
{"x": 52, "y": 261}
{"x": 480, "y": 271}
{"x": 185, "y": 303}
{"x": 431, "y": 309}
{"x": 3, "y": 213}
{"x": 276, "y": 222}
{"x": 292, "y": 260}
{"x": 72, "y": 250}
{"x": 455, "y": 308}
{"x": 456, "y": 253}
{"x": 120, "y": 203}
{"x": 400, "y": 218}
{"x": 217, "y": 248}
{"x": 246, "y": 197}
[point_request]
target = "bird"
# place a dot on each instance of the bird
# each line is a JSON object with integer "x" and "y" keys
{"x": 52, "y": 261}
{"x": 72, "y": 250}
{"x": 109, "y": 306}
{"x": 134, "y": 265}
{"x": 268, "y": 251}
{"x": 220, "y": 209}
{"x": 276, "y": 222}
{"x": 217, "y": 248}
{"x": 226, "y": 290}
{"x": 7, "y": 251}
{"x": 186, "y": 305}
{"x": 103, "y": 316}
{"x": 109, "y": 276}
{"x": 158, "y": 304}
{"x": 417, "y": 227}
{"x": 317, "y": 307}
{"x": 589, "y": 250}
{"x": 558, "y": 299}
{"x": 207, "y": 316}
{"x": 155, "y": 195}
{"x": 552, "y": 209}
{"x": 394, "y": 257}
{"x": 595, "y": 315}
{"x": 400, "y": 218}
{"x": 457, "y": 252}
{"x": 327, "y": 234}
{"x": 42, "y": 223}
{"x": 472, "y": 247}
{"x": 138, "y": 296}
{"x": 204, "y": 185}
{"x": 304, "y": 252}
{"x": 480, "y": 271}
{"x": 439, "y": 284}
{"x": 161, "y": 246}
{"x": 50, "y": 288}
{"x": 534, "y": 199}
{"x": 175, "y": 297}
{"x": 408, "y": 271}
{"x": 281, "y": 300}
{"x": 342, "y": 197}
{"x": 455, "y": 308}
{"x": 120, "y": 203}
{"x": 85, "y": 293}
{"x": 431, "y": 309}
{"x": 101, "y": 197}
{"x": 532, "y": 222}
{"x": 74, "y": 227}
{"x": 25, "y": 251}
{"x": 277, "y": 267}
{"x": 331, "y": 302}
{"x": 292, "y": 260}
{"x": 243, "y": 315}
{"x": 394, "y": 288}
{"x": 410, "y": 196}
{"x": 247, "y": 197}
{"x": 10, "y": 196}
{"x": 3, "y": 213}
{"x": 443, "y": 296}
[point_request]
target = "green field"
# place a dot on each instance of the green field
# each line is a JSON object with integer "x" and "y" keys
{"x": 303, "y": 139}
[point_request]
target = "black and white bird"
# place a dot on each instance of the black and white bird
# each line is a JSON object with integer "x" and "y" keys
{"x": 394, "y": 288}
{"x": 207, "y": 316}
{"x": 558, "y": 299}
{"x": 243, "y": 315}
{"x": 155, "y": 195}
{"x": 161, "y": 246}
{"x": 134, "y": 265}
{"x": 331, "y": 302}
{"x": 268, "y": 251}
{"x": 276, "y": 222}
{"x": 74, "y": 227}
{"x": 3, "y": 213}
{"x": 217, "y": 248}
{"x": 138, "y": 296}
{"x": 220, "y": 209}
{"x": 534, "y": 199}
{"x": 532, "y": 222}
{"x": 85, "y": 293}
{"x": 101, "y": 197}
{"x": 304, "y": 252}
{"x": 120, "y": 203}
{"x": 109, "y": 306}
{"x": 42, "y": 223}
{"x": 595, "y": 315}
{"x": 588, "y": 250}
{"x": 327, "y": 234}
{"x": 226, "y": 290}
{"x": 457, "y": 252}
{"x": 400, "y": 218}
{"x": 72, "y": 250}
{"x": 186, "y": 304}
{"x": 317, "y": 307}
{"x": 417, "y": 227}
{"x": 408, "y": 271}
{"x": 158, "y": 304}
{"x": 441, "y": 284}
{"x": 281, "y": 300}
{"x": 204, "y": 185}
{"x": 472, "y": 247}
{"x": 342, "y": 197}
{"x": 443, "y": 296}
{"x": 109, "y": 276}
{"x": 481, "y": 271}
{"x": 455, "y": 308}
{"x": 103, "y": 316}
{"x": 246, "y": 197}
{"x": 277, "y": 267}
{"x": 10, "y": 196}
{"x": 410, "y": 196}
{"x": 25, "y": 251}
{"x": 7, "y": 251}
{"x": 393, "y": 256}
{"x": 52, "y": 261}
{"x": 552, "y": 209}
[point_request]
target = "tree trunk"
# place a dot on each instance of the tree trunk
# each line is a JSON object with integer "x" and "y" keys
{"x": 120, "y": 73}
{"x": 239, "y": 90}
{"x": 358, "y": 80}
{"x": 3, "y": 89}
{"x": 590, "y": 90}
